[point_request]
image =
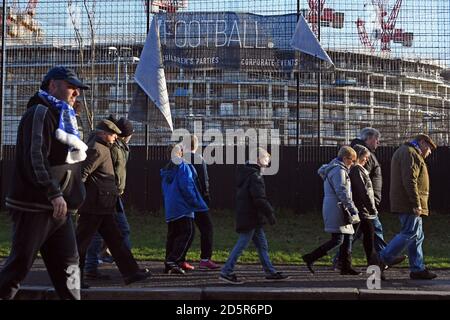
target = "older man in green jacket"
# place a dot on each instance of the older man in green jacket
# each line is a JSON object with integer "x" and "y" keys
{"x": 409, "y": 193}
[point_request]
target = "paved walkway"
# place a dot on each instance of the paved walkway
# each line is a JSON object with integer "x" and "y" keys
{"x": 206, "y": 285}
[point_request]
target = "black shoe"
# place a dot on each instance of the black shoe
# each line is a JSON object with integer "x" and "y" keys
{"x": 174, "y": 270}
{"x": 423, "y": 275}
{"x": 84, "y": 285}
{"x": 337, "y": 265}
{"x": 309, "y": 262}
{"x": 230, "y": 278}
{"x": 142, "y": 274}
{"x": 96, "y": 275}
{"x": 350, "y": 271}
{"x": 277, "y": 276}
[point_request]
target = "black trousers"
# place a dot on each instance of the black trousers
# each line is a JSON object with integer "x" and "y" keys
{"x": 180, "y": 235}
{"x": 366, "y": 228}
{"x": 55, "y": 239}
{"x": 106, "y": 225}
{"x": 205, "y": 226}
{"x": 343, "y": 241}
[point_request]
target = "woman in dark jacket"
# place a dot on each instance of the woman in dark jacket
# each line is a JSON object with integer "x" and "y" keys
{"x": 363, "y": 197}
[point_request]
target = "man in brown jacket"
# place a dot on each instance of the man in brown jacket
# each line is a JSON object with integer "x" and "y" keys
{"x": 97, "y": 212}
{"x": 409, "y": 199}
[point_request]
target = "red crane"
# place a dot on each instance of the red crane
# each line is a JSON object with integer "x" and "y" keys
{"x": 387, "y": 32}
{"x": 31, "y": 7}
{"x": 314, "y": 14}
{"x": 167, "y": 5}
{"x": 328, "y": 17}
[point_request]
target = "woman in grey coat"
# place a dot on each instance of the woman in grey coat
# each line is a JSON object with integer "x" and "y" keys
{"x": 337, "y": 189}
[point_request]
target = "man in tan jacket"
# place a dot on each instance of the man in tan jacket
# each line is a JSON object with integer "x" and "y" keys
{"x": 409, "y": 193}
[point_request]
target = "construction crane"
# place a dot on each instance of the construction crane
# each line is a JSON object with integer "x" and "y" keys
{"x": 167, "y": 5}
{"x": 328, "y": 17}
{"x": 21, "y": 24}
{"x": 385, "y": 31}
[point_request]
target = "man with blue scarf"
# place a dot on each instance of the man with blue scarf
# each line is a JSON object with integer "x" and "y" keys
{"x": 46, "y": 187}
{"x": 408, "y": 195}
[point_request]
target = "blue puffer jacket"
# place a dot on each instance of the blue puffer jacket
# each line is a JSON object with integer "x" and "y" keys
{"x": 181, "y": 196}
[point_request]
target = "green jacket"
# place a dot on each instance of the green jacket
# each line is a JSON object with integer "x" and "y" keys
{"x": 409, "y": 181}
{"x": 120, "y": 153}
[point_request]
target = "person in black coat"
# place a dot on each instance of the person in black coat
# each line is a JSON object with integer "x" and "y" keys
{"x": 252, "y": 211}
{"x": 46, "y": 187}
{"x": 363, "y": 197}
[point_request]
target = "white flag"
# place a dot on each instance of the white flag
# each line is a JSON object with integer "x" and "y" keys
{"x": 305, "y": 41}
{"x": 151, "y": 79}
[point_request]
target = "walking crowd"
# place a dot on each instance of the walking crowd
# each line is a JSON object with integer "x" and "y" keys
{"x": 56, "y": 175}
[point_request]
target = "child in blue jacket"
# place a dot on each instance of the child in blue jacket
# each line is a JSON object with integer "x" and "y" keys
{"x": 181, "y": 199}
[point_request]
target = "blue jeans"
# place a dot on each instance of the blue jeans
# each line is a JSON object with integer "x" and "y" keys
{"x": 378, "y": 241}
{"x": 411, "y": 236}
{"x": 259, "y": 239}
{"x": 93, "y": 252}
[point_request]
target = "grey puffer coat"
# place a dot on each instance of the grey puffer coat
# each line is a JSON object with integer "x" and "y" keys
{"x": 337, "y": 188}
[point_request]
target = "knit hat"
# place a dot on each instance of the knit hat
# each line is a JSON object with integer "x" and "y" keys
{"x": 125, "y": 126}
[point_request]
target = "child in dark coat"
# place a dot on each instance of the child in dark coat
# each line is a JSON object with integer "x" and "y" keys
{"x": 252, "y": 211}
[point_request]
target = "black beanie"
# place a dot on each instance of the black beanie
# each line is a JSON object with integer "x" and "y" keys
{"x": 125, "y": 126}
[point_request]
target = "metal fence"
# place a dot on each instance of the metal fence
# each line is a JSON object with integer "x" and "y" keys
{"x": 229, "y": 64}
{"x": 295, "y": 187}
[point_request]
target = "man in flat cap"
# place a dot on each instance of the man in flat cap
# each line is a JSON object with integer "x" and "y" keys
{"x": 46, "y": 187}
{"x": 99, "y": 209}
{"x": 409, "y": 193}
{"x": 119, "y": 154}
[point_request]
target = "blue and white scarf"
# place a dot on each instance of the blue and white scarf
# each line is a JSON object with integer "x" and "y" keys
{"x": 67, "y": 131}
{"x": 415, "y": 144}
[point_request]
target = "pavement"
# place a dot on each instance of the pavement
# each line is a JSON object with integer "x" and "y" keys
{"x": 325, "y": 284}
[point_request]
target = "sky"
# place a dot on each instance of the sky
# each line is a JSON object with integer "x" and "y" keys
{"x": 429, "y": 21}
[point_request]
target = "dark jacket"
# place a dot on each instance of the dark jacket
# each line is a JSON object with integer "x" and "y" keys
{"x": 202, "y": 181}
{"x": 120, "y": 153}
{"x": 41, "y": 172}
{"x": 362, "y": 192}
{"x": 98, "y": 175}
{"x": 374, "y": 168}
{"x": 410, "y": 184}
{"x": 181, "y": 196}
{"x": 252, "y": 206}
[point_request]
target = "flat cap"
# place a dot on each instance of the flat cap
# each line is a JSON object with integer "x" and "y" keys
{"x": 427, "y": 139}
{"x": 108, "y": 126}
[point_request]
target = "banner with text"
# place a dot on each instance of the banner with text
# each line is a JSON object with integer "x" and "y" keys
{"x": 229, "y": 40}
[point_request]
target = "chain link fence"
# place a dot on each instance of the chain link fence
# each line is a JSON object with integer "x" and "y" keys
{"x": 229, "y": 65}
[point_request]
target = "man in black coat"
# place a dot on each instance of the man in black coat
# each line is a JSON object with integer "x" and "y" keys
{"x": 46, "y": 187}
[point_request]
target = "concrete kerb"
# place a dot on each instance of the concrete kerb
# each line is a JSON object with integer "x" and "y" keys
{"x": 365, "y": 294}
{"x": 236, "y": 293}
{"x": 270, "y": 293}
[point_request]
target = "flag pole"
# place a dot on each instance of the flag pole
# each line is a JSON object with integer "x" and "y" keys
{"x": 319, "y": 80}
{"x": 297, "y": 131}
{"x": 149, "y": 3}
